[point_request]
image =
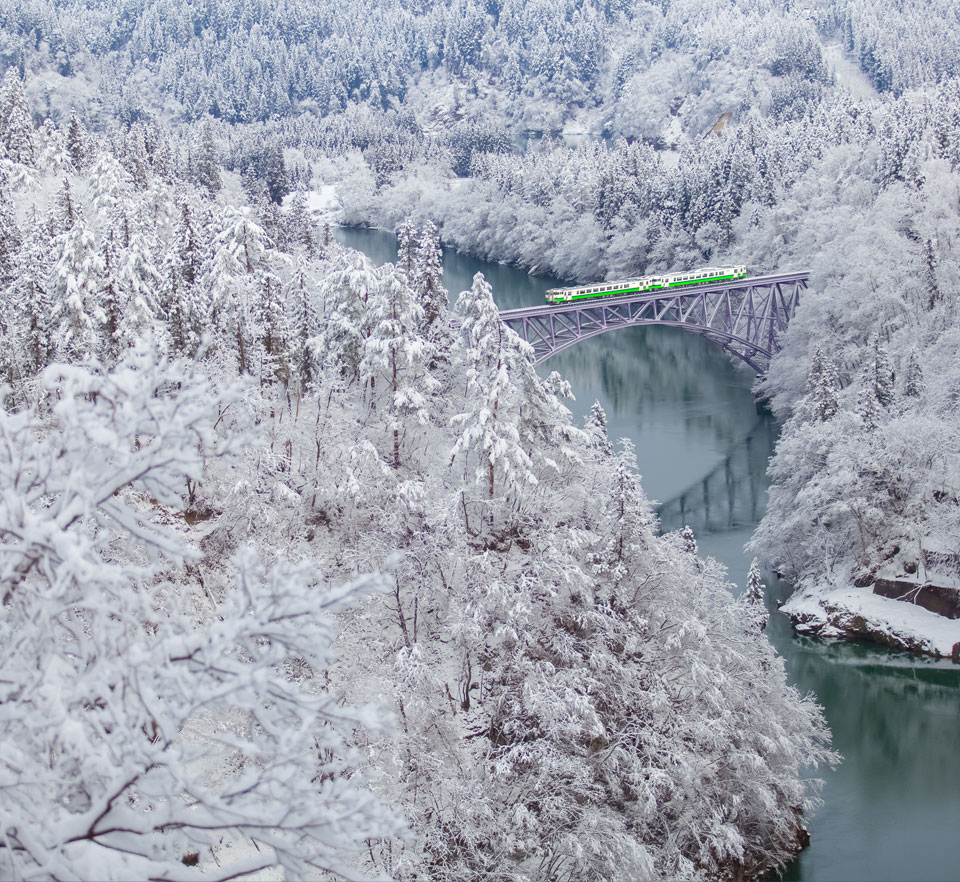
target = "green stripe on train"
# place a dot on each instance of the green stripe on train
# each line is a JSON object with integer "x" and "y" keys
{"x": 604, "y": 294}
{"x": 700, "y": 281}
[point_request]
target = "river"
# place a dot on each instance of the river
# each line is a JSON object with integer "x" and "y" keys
{"x": 891, "y": 810}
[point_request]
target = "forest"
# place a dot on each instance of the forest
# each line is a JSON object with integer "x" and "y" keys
{"x": 305, "y": 566}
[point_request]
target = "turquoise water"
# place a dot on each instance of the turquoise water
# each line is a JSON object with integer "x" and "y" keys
{"x": 892, "y": 809}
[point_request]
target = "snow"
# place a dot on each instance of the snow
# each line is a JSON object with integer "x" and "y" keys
{"x": 904, "y": 623}
{"x": 848, "y": 72}
{"x": 324, "y": 201}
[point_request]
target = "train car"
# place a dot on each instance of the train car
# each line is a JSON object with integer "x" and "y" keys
{"x": 701, "y": 276}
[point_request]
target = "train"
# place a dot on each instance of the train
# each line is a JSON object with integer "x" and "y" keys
{"x": 701, "y": 276}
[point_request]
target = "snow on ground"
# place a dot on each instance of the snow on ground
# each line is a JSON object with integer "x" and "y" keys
{"x": 324, "y": 201}
{"x": 849, "y": 611}
{"x": 848, "y": 72}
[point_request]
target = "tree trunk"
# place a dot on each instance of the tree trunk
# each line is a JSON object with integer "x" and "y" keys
{"x": 243, "y": 357}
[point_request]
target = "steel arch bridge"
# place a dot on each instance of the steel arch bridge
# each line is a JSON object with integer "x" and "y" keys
{"x": 746, "y": 317}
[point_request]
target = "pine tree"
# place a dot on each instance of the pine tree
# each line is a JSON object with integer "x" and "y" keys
{"x": 135, "y": 157}
{"x": 229, "y": 274}
{"x": 10, "y": 239}
{"x": 52, "y": 156}
{"x": 66, "y": 210}
{"x": 595, "y": 425}
{"x": 427, "y": 275}
{"x": 397, "y": 353}
{"x": 111, "y": 303}
{"x": 929, "y": 275}
{"x": 407, "y": 248}
{"x": 345, "y": 323}
{"x": 628, "y": 527}
{"x": 76, "y": 142}
{"x": 490, "y": 431}
{"x": 16, "y": 127}
{"x": 688, "y": 540}
{"x": 207, "y": 162}
{"x": 31, "y": 301}
{"x": 139, "y": 281}
{"x": 77, "y": 314}
{"x": 299, "y": 225}
{"x": 275, "y": 174}
{"x": 755, "y": 588}
{"x": 823, "y": 385}
{"x": 303, "y": 324}
{"x": 272, "y": 332}
{"x": 883, "y": 376}
{"x": 754, "y": 596}
{"x": 110, "y": 183}
{"x": 868, "y": 408}
{"x": 914, "y": 385}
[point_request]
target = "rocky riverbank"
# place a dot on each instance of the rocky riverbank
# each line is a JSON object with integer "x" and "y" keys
{"x": 860, "y": 614}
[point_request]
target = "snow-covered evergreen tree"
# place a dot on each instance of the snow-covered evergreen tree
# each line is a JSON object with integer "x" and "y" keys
{"x": 407, "y": 248}
{"x": 753, "y": 594}
{"x": 344, "y": 322}
{"x": 427, "y": 274}
{"x": 914, "y": 384}
{"x": 207, "y": 163}
{"x": 16, "y": 127}
{"x": 489, "y": 428}
{"x": 76, "y": 312}
{"x": 396, "y": 352}
{"x": 883, "y": 376}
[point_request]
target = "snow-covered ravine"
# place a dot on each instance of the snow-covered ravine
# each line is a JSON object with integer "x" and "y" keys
{"x": 890, "y": 810}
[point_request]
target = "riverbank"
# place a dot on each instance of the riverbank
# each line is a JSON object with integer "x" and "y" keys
{"x": 859, "y": 614}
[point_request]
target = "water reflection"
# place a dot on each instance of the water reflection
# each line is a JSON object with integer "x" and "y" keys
{"x": 733, "y": 494}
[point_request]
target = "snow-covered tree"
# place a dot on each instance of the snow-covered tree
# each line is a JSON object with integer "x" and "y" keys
{"x": 489, "y": 428}
{"x": 16, "y": 127}
{"x": 76, "y": 310}
{"x": 300, "y": 226}
{"x": 139, "y": 740}
{"x": 868, "y": 408}
{"x": 302, "y": 310}
{"x": 883, "y": 376}
{"x": 824, "y": 386}
{"x": 427, "y": 273}
{"x": 396, "y": 353}
{"x": 30, "y": 304}
{"x": 208, "y": 160}
{"x": 595, "y": 425}
{"x": 238, "y": 253}
{"x": 344, "y": 322}
{"x": 407, "y": 248}
{"x": 913, "y": 383}
{"x": 76, "y": 142}
{"x": 753, "y": 595}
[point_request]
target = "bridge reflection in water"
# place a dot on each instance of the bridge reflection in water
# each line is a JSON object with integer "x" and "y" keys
{"x": 733, "y": 494}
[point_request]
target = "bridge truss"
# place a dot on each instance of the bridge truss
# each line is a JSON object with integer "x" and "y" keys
{"x": 746, "y": 317}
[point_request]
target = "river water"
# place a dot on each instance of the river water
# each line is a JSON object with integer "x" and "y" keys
{"x": 891, "y": 810}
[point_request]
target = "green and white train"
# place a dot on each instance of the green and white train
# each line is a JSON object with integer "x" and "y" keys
{"x": 647, "y": 283}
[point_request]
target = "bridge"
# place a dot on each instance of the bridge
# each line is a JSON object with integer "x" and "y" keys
{"x": 746, "y": 316}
